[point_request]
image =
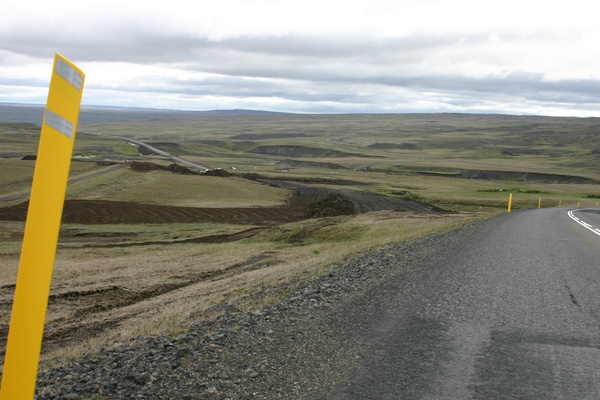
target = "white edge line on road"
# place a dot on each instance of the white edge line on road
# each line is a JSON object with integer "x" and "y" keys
{"x": 584, "y": 224}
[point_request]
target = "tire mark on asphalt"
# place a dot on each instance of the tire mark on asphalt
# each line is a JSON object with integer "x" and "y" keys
{"x": 572, "y": 296}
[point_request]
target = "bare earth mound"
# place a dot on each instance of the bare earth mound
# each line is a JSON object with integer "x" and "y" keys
{"x": 514, "y": 176}
{"x": 300, "y": 152}
{"x": 115, "y": 212}
{"x": 309, "y": 202}
{"x": 360, "y": 200}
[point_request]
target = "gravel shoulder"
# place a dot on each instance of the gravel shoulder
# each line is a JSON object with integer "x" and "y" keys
{"x": 305, "y": 346}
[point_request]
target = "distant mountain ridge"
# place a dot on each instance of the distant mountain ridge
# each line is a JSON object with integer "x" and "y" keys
{"x": 34, "y": 113}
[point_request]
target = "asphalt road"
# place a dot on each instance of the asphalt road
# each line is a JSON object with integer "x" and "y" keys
{"x": 510, "y": 310}
{"x": 165, "y": 154}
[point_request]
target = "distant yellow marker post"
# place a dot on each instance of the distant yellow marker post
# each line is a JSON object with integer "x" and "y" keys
{"x": 540, "y": 203}
{"x": 41, "y": 231}
{"x": 509, "y": 202}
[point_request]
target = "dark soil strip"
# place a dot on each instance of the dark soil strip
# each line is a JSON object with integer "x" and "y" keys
{"x": 91, "y": 302}
{"x": 223, "y": 238}
{"x": 512, "y": 176}
{"x": 115, "y": 212}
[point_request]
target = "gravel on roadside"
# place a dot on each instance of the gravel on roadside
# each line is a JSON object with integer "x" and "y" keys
{"x": 302, "y": 347}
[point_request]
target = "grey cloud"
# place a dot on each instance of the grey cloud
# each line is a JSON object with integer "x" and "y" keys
{"x": 244, "y": 87}
{"x": 456, "y": 90}
{"x": 313, "y": 69}
{"x": 22, "y": 82}
{"x": 335, "y": 46}
{"x": 129, "y": 45}
{"x": 523, "y": 84}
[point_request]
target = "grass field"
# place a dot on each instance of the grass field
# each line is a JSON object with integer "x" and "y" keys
{"x": 108, "y": 285}
{"x": 177, "y": 190}
{"x": 532, "y": 141}
{"x": 171, "y": 277}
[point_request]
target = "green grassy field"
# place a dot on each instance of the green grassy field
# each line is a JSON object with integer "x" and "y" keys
{"x": 383, "y": 144}
{"x": 411, "y": 156}
{"x": 528, "y": 139}
{"x": 386, "y": 142}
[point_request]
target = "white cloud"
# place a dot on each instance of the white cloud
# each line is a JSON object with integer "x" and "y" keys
{"x": 329, "y": 56}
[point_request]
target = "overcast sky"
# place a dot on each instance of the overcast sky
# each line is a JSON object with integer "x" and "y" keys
{"x": 517, "y": 57}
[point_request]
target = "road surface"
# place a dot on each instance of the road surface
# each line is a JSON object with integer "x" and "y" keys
{"x": 165, "y": 154}
{"x": 24, "y": 195}
{"x": 506, "y": 308}
{"x": 509, "y": 310}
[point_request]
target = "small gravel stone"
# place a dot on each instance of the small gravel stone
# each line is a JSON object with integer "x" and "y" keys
{"x": 250, "y": 373}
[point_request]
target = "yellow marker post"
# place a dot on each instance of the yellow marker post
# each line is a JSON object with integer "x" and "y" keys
{"x": 540, "y": 203}
{"x": 560, "y": 203}
{"x": 509, "y": 202}
{"x": 41, "y": 231}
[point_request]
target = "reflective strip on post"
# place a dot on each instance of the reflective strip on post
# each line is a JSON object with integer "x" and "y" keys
{"x": 59, "y": 123}
{"x": 70, "y": 74}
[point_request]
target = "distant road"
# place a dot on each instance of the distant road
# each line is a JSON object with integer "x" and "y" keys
{"x": 165, "y": 154}
{"x": 505, "y": 309}
{"x": 24, "y": 195}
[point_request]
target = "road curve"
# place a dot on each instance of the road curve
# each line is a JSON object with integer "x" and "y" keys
{"x": 589, "y": 218}
{"x": 164, "y": 154}
{"x": 509, "y": 309}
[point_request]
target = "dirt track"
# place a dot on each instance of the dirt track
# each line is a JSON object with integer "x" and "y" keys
{"x": 213, "y": 239}
{"x": 91, "y": 312}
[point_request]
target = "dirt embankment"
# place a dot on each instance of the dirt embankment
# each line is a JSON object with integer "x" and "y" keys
{"x": 514, "y": 176}
{"x": 300, "y": 152}
{"x": 387, "y": 146}
{"x": 361, "y": 201}
{"x": 309, "y": 164}
{"x": 308, "y": 202}
{"x": 263, "y": 136}
{"x": 116, "y": 212}
{"x": 141, "y": 166}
